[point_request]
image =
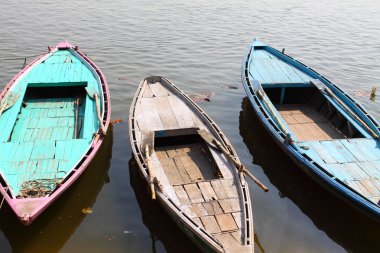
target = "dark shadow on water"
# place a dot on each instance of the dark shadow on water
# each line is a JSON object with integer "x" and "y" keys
{"x": 159, "y": 223}
{"x": 346, "y": 226}
{"x": 55, "y": 226}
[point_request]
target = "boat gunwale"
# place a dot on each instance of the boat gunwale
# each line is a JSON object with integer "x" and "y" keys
{"x": 83, "y": 162}
{"x": 307, "y": 164}
{"x": 168, "y": 203}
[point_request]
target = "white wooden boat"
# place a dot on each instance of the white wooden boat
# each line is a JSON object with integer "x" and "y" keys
{"x": 194, "y": 182}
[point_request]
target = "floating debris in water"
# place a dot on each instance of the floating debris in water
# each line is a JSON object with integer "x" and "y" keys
{"x": 202, "y": 97}
{"x": 87, "y": 210}
{"x": 228, "y": 87}
{"x": 373, "y": 94}
{"x": 116, "y": 121}
{"x": 366, "y": 93}
{"x": 110, "y": 237}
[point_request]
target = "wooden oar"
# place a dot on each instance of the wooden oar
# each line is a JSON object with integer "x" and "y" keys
{"x": 76, "y": 118}
{"x": 8, "y": 101}
{"x": 94, "y": 94}
{"x": 321, "y": 86}
{"x": 2, "y": 108}
{"x": 261, "y": 93}
{"x": 148, "y": 141}
{"x": 151, "y": 181}
{"x": 209, "y": 139}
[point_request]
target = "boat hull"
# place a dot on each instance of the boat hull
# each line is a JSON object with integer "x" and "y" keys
{"x": 304, "y": 162}
{"x": 29, "y": 208}
{"x": 167, "y": 198}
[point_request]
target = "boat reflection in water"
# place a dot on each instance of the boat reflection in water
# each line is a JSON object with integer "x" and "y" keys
{"x": 161, "y": 227}
{"x": 346, "y": 226}
{"x": 53, "y": 228}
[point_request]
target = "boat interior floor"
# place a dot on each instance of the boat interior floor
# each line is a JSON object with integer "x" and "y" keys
{"x": 307, "y": 123}
{"x": 41, "y": 148}
{"x": 210, "y": 200}
{"x": 355, "y": 162}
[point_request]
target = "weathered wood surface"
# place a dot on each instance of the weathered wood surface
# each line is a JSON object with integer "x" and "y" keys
{"x": 268, "y": 68}
{"x": 198, "y": 178}
{"x": 354, "y": 161}
{"x": 307, "y": 124}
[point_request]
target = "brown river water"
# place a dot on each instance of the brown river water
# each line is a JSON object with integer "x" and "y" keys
{"x": 199, "y": 45}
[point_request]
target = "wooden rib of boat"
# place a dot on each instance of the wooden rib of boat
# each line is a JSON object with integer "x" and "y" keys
{"x": 194, "y": 182}
{"x": 329, "y": 135}
{"x": 54, "y": 114}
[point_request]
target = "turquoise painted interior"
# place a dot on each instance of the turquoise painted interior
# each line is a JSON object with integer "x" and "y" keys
{"x": 37, "y": 132}
{"x": 269, "y": 69}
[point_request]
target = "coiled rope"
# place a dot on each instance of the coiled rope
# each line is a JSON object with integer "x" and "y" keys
{"x": 38, "y": 187}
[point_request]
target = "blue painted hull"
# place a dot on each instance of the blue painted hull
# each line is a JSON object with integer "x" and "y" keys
{"x": 308, "y": 164}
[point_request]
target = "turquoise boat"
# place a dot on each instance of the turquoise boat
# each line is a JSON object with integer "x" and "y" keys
{"x": 332, "y": 138}
{"x": 53, "y": 116}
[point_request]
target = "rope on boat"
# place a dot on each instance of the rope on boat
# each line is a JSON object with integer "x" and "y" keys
{"x": 38, "y": 187}
{"x": 157, "y": 184}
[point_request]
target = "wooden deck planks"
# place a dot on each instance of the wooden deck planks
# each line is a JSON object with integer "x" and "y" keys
{"x": 238, "y": 217}
{"x": 348, "y": 171}
{"x": 147, "y": 92}
{"x": 199, "y": 209}
{"x": 216, "y": 206}
{"x": 148, "y": 115}
{"x": 182, "y": 170}
{"x": 230, "y": 188}
{"x": 219, "y": 189}
{"x": 226, "y": 222}
{"x": 158, "y": 90}
{"x": 348, "y": 160}
{"x": 207, "y": 191}
{"x": 356, "y": 152}
{"x": 210, "y": 224}
{"x": 307, "y": 124}
{"x": 43, "y": 150}
{"x": 207, "y": 168}
{"x": 166, "y": 113}
{"x": 190, "y": 163}
{"x": 182, "y": 195}
{"x": 171, "y": 171}
{"x": 228, "y": 241}
{"x": 194, "y": 193}
{"x": 191, "y": 168}
{"x": 225, "y": 204}
{"x": 181, "y": 112}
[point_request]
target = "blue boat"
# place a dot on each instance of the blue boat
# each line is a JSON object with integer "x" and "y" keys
{"x": 324, "y": 130}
